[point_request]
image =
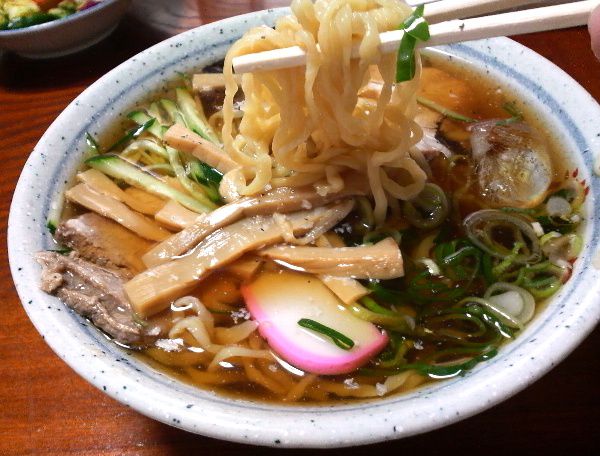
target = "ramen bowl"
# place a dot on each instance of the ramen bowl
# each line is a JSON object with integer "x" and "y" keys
{"x": 569, "y": 316}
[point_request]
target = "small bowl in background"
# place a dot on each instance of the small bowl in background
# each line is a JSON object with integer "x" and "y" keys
{"x": 66, "y": 35}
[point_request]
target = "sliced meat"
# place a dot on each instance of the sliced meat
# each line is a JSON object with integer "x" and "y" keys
{"x": 210, "y": 87}
{"x": 281, "y": 200}
{"x": 429, "y": 121}
{"x": 93, "y": 292}
{"x": 378, "y": 261}
{"x": 104, "y": 242}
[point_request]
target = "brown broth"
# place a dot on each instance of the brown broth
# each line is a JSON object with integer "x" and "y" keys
{"x": 491, "y": 95}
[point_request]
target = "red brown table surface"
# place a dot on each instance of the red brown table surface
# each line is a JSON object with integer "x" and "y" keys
{"x": 45, "y": 408}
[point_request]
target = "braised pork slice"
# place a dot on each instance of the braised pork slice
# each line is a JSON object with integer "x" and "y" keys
{"x": 93, "y": 292}
{"x": 104, "y": 242}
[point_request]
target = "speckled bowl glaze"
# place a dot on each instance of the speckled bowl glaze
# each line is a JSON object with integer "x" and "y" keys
{"x": 67, "y": 35}
{"x": 569, "y": 317}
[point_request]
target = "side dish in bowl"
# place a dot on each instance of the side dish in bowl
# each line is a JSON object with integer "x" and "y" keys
{"x": 49, "y": 28}
{"x": 324, "y": 237}
{"x": 16, "y": 14}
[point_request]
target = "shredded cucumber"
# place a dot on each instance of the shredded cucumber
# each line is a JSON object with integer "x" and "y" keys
{"x": 56, "y": 208}
{"x": 93, "y": 148}
{"x": 132, "y": 134}
{"x": 147, "y": 145}
{"x": 197, "y": 171}
{"x": 194, "y": 116}
{"x": 196, "y": 190}
{"x": 141, "y": 118}
{"x": 173, "y": 112}
{"x": 116, "y": 167}
{"x": 154, "y": 111}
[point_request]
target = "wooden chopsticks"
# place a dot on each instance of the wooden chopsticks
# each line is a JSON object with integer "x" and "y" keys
{"x": 514, "y": 23}
{"x": 441, "y": 11}
{"x": 448, "y": 31}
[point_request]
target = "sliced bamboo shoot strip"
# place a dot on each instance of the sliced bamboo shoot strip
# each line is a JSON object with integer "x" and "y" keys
{"x": 152, "y": 290}
{"x": 378, "y": 261}
{"x": 117, "y": 211}
{"x": 174, "y": 215}
{"x": 143, "y": 202}
{"x": 280, "y": 200}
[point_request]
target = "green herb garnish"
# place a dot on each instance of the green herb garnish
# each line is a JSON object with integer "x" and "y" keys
{"x": 51, "y": 227}
{"x": 139, "y": 320}
{"x": 434, "y": 370}
{"x": 92, "y": 144}
{"x": 132, "y": 134}
{"x": 415, "y": 29}
{"x": 62, "y": 251}
{"x": 342, "y": 341}
{"x": 28, "y": 21}
{"x": 516, "y": 115}
{"x": 443, "y": 110}
{"x": 437, "y": 371}
{"x": 372, "y": 305}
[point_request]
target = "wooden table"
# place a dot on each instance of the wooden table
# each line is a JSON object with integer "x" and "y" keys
{"x": 45, "y": 408}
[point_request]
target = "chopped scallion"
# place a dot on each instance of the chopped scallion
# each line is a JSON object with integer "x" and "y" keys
{"x": 62, "y": 251}
{"x": 516, "y": 115}
{"x": 443, "y": 110}
{"x": 415, "y": 29}
{"x": 342, "y": 341}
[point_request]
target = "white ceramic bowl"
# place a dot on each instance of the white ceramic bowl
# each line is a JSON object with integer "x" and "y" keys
{"x": 563, "y": 105}
{"x": 67, "y": 35}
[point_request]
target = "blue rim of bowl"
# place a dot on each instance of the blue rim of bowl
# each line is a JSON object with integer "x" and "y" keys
{"x": 60, "y": 21}
{"x": 584, "y": 155}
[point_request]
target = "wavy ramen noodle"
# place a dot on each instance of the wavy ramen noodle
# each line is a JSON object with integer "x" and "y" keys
{"x": 308, "y": 125}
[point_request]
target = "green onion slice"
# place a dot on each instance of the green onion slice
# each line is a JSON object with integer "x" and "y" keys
{"x": 516, "y": 115}
{"x": 435, "y": 370}
{"x": 429, "y": 209}
{"x": 415, "y": 29}
{"x": 483, "y": 226}
{"x": 443, "y": 110}
{"x": 342, "y": 341}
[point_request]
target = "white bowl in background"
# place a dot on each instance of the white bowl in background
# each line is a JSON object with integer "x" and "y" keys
{"x": 68, "y": 35}
{"x": 562, "y": 105}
